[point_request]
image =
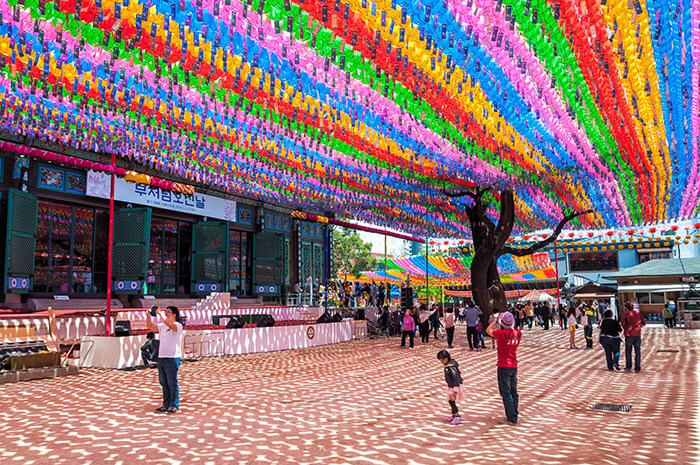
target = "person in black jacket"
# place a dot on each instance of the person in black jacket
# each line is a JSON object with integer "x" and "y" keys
{"x": 149, "y": 351}
{"x": 610, "y": 330}
{"x": 455, "y": 388}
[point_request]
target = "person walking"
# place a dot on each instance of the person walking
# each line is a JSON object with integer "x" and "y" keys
{"x": 668, "y": 316}
{"x": 455, "y": 388}
{"x": 672, "y": 307}
{"x": 562, "y": 316}
{"x": 434, "y": 321}
{"x": 546, "y": 315}
{"x": 396, "y": 318}
{"x": 480, "y": 334}
{"x": 373, "y": 293}
{"x": 450, "y": 326}
{"x": 424, "y": 324}
{"x": 471, "y": 315}
{"x": 409, "y": 327}
{"x": 530, "y": 313}
{"x": 609, "y": 338}
{"x": 632, "y": 322}
{"x": 170, "y": 331}
{"x": 587, "y": 323}
{"x": 508, "y": 340}
{"x": 571, "y": 321}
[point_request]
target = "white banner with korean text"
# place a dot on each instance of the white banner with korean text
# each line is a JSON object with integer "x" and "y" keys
{"x": 98, "y": 185}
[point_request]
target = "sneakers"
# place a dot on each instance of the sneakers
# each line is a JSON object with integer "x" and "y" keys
{"x": 161, "y": 409}
{"x": 456, "y": 420}
{"x": 616, "y": 367}
{"x": 448, "y": 419}
{"x": 171, "y": 410}
{"x": 628, "y": 370}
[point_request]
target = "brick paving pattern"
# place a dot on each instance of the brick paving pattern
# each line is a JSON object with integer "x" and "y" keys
{"x": 368, "y": 402}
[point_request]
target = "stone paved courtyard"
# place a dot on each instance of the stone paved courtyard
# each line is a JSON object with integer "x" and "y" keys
{"x": 368, "y": 402}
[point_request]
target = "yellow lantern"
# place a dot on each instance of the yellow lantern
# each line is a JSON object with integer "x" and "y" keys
{"x": 131, "y": 176}
{"x": 143, "y": 179}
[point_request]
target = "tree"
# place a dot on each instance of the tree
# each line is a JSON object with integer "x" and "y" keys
{"x": 351, "y": 254}
{"x": 490, "y": 244}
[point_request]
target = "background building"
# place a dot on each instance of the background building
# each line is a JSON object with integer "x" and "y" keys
{"x": 55, "y": 219}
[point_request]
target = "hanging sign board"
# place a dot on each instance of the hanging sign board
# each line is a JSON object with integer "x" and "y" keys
{"x": 98, "y": 185}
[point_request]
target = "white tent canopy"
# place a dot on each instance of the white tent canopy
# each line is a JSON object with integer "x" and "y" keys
{"x": 536, "y": 296}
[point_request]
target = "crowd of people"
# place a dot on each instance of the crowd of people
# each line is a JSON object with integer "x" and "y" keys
{"x": 360, "y": 294}
{"x": 506, "y": 328}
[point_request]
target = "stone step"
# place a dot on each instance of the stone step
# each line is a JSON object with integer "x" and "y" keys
{"x": 36, "y": 373}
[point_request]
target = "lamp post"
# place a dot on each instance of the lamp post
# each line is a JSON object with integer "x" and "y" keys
{"x": 556, "y": 266}
{"x": 108, "y": 313}
{"x": 427, "y": 275}
{"x": 387, "y": 292}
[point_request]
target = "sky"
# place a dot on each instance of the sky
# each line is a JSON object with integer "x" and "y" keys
{"x": 393, "y": 244}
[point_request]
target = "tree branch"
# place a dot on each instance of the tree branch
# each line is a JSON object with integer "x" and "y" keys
{"x": 506, "y": 218}
{"x": 457, "y": 194}
{"x": 542, "y": 244}
{"x": 474, "y": 195}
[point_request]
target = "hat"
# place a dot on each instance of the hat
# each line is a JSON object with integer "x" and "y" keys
{"x": 506, "y": 320}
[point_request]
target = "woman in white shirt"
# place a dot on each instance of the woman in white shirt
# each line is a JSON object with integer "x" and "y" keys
{"x": 571, "y": 321}
{"x": 170, "y": 332}
{"x": 449, "y": 326}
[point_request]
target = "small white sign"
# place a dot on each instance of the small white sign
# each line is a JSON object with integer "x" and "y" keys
{"x": 61, "y": 297}
{"x": 149, "y": 297}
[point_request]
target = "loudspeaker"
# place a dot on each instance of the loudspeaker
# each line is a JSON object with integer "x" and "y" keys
{"x": 324, "y": 318}
{"x": 360, "y": 314}
{"x": 337, "y": 318}
{"x": 235, "y": 322}
{"x": 406, "y": 297}
{"x": 122, "y": 328}
{"x": 266, "y": 321}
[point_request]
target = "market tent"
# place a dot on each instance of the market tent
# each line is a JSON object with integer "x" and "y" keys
{"x": 536, "y": 296}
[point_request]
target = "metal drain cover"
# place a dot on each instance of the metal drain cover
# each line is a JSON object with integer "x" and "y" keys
{"x": 672, "y": 351}
{"x": 611, "y": 407}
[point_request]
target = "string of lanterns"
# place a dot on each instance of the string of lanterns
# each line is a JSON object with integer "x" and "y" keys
{"x": 369, "y": 108}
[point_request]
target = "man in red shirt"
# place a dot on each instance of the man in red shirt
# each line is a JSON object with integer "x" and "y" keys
{"x": 632, "y": 322}
{"x": 508, "y": 340}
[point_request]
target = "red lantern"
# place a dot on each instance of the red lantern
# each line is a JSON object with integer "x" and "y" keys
{"x": 673, "y": 228}
{"x": 526, "y": 237}
{"x": 630, "y": 232}
{"x": 652, "y": 230}
{"x": 697, "y": 225}
{"x": 610, "y": 233}
{"x": 590, "y": 234}
{"x": 571, "y": 234}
